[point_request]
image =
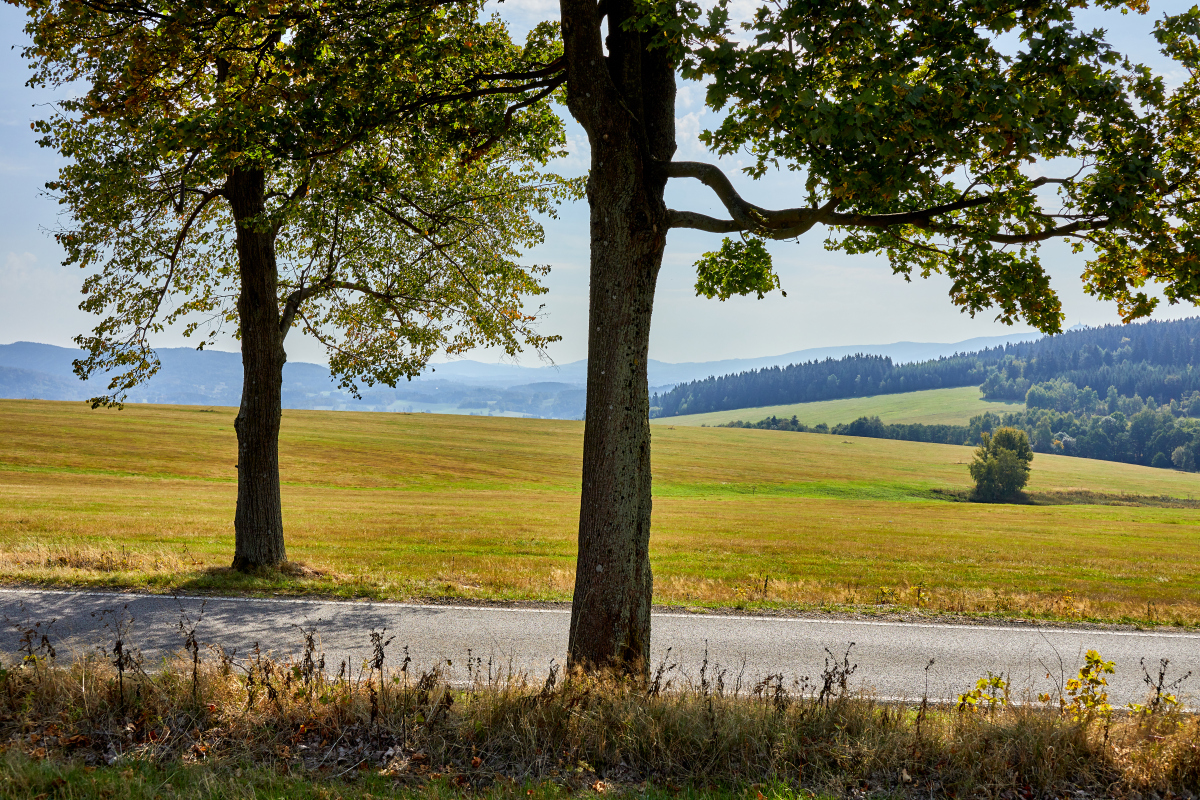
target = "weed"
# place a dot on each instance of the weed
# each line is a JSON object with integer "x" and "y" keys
{"x": 187, "y": 628}
{"x": 1162, "y": 694}
{"x": 663, "y": 670}
{"x": 1085, "y": 696}
{"x": 988, "y": 693}
{"x": 34, "y": 642}
{"x": 835, "y": 678}
{"x": 122, "y": 657}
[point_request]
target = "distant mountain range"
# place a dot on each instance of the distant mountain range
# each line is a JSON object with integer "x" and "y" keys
{"x": 666, "y": 375}
{"x": 212, "y": 377}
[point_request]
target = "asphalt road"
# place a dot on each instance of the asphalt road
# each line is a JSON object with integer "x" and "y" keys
{"x": 891, "y": 657}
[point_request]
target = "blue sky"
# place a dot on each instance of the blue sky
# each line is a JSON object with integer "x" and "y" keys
{"x": 832, "y": 299}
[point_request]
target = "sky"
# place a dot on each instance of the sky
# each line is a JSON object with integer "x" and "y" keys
{"x": 832, "y": 298}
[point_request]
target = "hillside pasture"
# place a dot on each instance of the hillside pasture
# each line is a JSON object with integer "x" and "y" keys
{"x": 931, "y": 407}
{"x": 418, "y": 506}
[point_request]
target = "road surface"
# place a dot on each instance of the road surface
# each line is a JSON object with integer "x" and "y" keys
{"x": 891, "y": 656}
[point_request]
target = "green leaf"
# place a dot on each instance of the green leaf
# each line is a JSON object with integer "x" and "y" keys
{"x": 738, "y": 268}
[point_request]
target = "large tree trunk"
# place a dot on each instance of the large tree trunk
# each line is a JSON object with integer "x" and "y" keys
{"x": 610, "y": 615}
{"x": 628, "y": 113}
{"x": 258, "y": 521}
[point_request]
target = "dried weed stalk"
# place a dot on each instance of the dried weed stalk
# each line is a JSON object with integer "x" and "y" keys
{"x": 573, "y": 729}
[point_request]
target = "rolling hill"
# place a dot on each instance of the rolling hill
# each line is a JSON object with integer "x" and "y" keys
{"x": 931, "y": 407}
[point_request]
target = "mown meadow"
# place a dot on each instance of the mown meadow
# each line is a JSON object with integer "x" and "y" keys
{"x": 932, "y": 407}
{"x": 407, "y": 506}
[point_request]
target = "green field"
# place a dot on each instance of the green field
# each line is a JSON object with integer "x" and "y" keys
{"x": 419, "y": 505}
{"x": 932, "y": 407}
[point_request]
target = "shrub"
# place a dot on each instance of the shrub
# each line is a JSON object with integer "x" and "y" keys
{"x": 1001, "y": 465}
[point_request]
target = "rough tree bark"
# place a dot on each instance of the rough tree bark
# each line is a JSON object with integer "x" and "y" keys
{"x": 258, "y": 520}
{"x": 625, "y": 101}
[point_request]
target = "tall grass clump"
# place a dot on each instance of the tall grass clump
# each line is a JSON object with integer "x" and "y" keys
{"x": 492, "y": 727}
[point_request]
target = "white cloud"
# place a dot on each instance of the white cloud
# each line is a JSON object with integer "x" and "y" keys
{"x": 687, "y": 134}
{"x": 19, "y": 266}
{"x": 690, "y": 94}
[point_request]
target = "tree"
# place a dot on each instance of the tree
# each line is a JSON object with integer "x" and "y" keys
{"x": 1000, "y": 468}
{"x": 365, "y": 169}
{"x": 910, "y": 125}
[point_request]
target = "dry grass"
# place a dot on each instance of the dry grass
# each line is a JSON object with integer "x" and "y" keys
{"x": 408, "y": 506}
{"x": 491, "y": 732}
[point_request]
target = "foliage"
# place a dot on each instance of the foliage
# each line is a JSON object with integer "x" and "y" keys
{"x": 871, "y": 427}
{"x": 1163, "y": 699}
{"x": 1153, "y": 359}
{"x": 777, "y": 424}
{"x": 912, "y": 431}
{"x": 398, "y": 180}
{"x": 830, "y": 379}
{"x": 1151, "y": 436}
{"x": 1000, "y": 468}
{"x": 882, "y": 109}
{"x": 739, "y": 268}
{"x": 1085, "y": 697}
{"x": 989, "y": 693}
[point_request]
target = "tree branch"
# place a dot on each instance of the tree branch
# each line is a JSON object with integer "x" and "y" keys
{"x": 701, "y": 222}
{"x": 791, "y": 222}
{"x": 755, "y": 219}
{"x": 187, "y": 226}
{"x": 480, "y": 151}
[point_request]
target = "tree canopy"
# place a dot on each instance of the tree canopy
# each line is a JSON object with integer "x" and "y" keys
{"x": 368, "y": 169}
{"x": 1000, "y": 468}
{"x": 401, "y": 147}
{"x": 919, "y": 131}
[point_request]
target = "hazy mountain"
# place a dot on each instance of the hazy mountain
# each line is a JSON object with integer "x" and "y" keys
{"x": 213, "y": 377}
{"x": 663, "y": 374}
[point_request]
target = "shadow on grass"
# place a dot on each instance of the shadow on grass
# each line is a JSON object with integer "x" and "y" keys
{"x": 292, "y": 579}
{"x": 1070, "y": 497}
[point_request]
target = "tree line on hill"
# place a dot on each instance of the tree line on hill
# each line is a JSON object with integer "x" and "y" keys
{"x": 1126, "y": 429}
{"x": 831, "y": 379}
{"x": 1146, "y": 413}
{"x": 1151, "y": 359}
{"x": 871, "y": 427}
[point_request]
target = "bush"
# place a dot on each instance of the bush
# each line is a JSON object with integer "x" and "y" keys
{"x": 1001, "y": 466}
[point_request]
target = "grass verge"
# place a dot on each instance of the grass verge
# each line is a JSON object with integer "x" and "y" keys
{"x": 217, "y": 727}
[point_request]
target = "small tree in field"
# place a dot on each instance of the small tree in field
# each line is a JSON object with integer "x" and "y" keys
{"x": 1001, "y": 465}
